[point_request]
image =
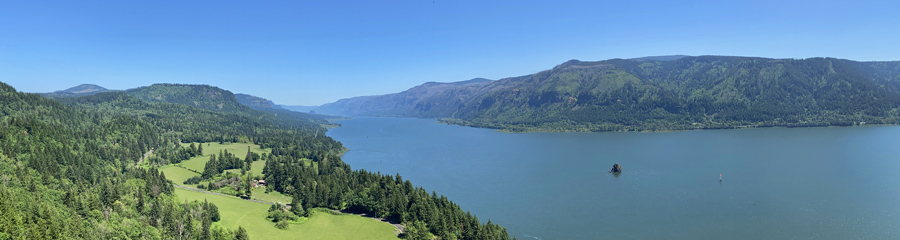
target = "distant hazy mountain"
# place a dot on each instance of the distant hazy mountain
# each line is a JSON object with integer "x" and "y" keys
{"x": 662, "y": 58}
{"x": 430, "y": 100}
{"x": 80, "y": 90}
{"x": 255, "y": 102}
{"x": 297, "y": 108}
{"x": 656, "y": 93}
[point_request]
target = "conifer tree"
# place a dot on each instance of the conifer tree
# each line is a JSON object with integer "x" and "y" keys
{"x": 211, "y": 168}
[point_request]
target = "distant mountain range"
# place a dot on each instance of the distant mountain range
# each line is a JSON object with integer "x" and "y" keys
{"x": 429, "y": 100}
{"x": 256, "y": 102}
{"x": 262, "y": 103}
{"x": 80, "y": 90}
{"x": 203, "y": 96}
{"x": 656, "y": 93}
{"x": 298, "y": 108}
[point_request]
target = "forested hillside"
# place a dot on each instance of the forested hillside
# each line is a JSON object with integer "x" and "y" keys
{"x": 677, "y": 94}
{"x": 69, "y": 173}
{"x": 68, "y": 168}
{"x": 255, "y": 102}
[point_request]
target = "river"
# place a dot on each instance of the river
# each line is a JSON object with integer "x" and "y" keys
{"x": 777, "y": 183}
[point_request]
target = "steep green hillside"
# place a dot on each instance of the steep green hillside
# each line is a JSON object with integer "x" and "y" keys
{"x": 676, "y": 94}
{"x": 201, "y": 96}
{"x": 223, "y": 101}
{"x": 69, "y": 174}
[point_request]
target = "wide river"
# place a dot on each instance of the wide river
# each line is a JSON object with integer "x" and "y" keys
{"x": 777, "y": 183}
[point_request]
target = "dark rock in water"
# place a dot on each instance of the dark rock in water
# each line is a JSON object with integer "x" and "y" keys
{"x": 616, "y": 168}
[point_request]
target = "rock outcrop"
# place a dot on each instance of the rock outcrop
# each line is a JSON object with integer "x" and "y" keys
{"x": 616, "y": 168}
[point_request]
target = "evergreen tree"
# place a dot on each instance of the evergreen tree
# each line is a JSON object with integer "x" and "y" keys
{"x": 248, "y": 160}
{"x": 211, "y": 169}
{"x": 241, "y": 234}
{"x": 213, "y": 212}
{"x": 297, "y": 206}
{"x": 247, "y": 186}
{"x": 193, "y": 149}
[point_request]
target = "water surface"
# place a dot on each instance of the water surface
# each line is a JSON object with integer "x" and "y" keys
{"x": 778, "y": 183}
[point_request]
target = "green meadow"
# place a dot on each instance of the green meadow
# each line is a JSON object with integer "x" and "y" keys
{"x": 177, "y": 174}
{"x": 273, "y": 196}
{"x": 320, "y": 225}
{"x": 238, "y": 149}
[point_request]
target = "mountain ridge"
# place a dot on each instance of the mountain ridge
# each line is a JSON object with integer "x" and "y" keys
{"x": 644, "y": 94}
{"x": 256, "y": 102}
{"x": 76, "y": 91}
{"x": 405, "y": 99}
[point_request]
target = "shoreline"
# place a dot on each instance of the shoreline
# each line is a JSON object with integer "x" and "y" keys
{"x": 457, "y": 122}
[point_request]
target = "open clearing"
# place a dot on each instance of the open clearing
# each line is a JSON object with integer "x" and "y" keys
{"x": 238, "y": 149}
{"x": 273, "y": 196}
{"x": 321, "y": 225}
{"x": 177, "y": 174}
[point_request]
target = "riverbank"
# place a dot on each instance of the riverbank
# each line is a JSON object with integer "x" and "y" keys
{"x": 651, "y": 128}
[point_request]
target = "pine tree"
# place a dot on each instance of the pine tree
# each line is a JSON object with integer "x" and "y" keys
{"x": 241, "y": 234}
{"x": 213, "y": 212}
{"x": 247, "y": 186}
{"x": 193, "y": 150}
{"x": 211, "y": 168}
{"x": 297, "y": 206}
{"x": 248, "y": 160}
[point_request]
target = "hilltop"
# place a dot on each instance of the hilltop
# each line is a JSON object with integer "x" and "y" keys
{"x": 76, "y": 91}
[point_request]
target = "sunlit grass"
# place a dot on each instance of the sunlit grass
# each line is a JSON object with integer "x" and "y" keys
{"x": 177, "y": 174}
{"x": 238, "y": 149}
{"x": 321, "y": 225}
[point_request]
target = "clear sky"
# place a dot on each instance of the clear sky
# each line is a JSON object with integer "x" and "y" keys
{"x": 312, "y": 52}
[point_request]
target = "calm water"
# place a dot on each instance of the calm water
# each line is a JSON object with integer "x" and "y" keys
{"x": 778, "y": 183}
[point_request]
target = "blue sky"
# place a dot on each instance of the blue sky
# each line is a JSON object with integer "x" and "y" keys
{"x": 313, "y": 52}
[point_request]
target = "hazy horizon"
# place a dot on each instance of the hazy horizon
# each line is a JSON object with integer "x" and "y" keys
{"x": 416, "y": 84}
{"x": 301, "y": 53}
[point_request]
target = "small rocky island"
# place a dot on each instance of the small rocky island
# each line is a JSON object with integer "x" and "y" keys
{"x": 616, "y": 168}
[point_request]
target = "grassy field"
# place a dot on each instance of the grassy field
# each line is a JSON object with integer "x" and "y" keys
{"x": 177, "y": 174}
{"x": 260, "y": 194}
{"x": 238, "y": 149}
{"x": 321, "y": 225}
{"x": 257, "y": 167}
